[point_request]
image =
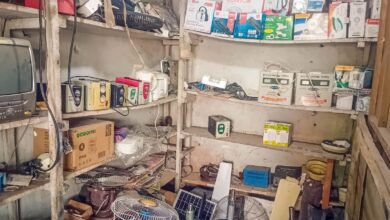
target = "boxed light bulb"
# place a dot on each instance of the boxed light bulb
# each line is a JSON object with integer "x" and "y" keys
{"x": 249, "y": 26}
{"x": 278, "y": 27}
{"x": 277, "y": 134}
{"x": 311, "y": 26}
{"x": 276, "y": 87}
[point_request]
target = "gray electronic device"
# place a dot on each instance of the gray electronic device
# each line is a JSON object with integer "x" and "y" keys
{"x": 72, "y": 104}
{"x": 17, "y": 81}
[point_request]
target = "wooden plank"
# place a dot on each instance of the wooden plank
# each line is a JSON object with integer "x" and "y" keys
{"x": 170, "y": 98}
{"x": 8, "y": 10}
{"x": 382, "y": 134}
{"x": 229, "y": 98}
{"x": 286, "y": 197}
{"x": 327, "y": 184}
{"x": 372, "y": 207}
{"x": 19, "y": 123}
{"x": 360, "y": 187}
{"x": 300, "y": 148}
{"x": 53, "y": 77}
{"x": 352, "y": 177}
{"x": 194, "y": 179}
{"x": 71, "y": 174}
{"x": 108, "y": 13}
{"x": 6, "y": 197}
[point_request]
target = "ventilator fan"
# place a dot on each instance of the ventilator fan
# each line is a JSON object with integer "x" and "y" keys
{"x": 130, "y": 208}
{"x": 245, "y": 208}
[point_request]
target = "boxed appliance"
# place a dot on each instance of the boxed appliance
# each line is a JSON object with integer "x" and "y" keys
{"x": 314, "y": 89}
{"x": 338, "y": 14}
{"x": 199, "y": 15}
{"x": 277, "y": 134}
{"x": 249, "y": 26}
{"x": 92, "y": 142}
{"x": 242, "y": 6}
{"x": 299, "y": 6}
{"x": 363, "y": 100}
{"x": 143, "y": 88}
{"x": 276, "y": 7}
{"x": 223, "y": 23}
{"x": 69, "y": 103}
{"x": 64, "y": 6}
{"x": 117, "y": 95}
{"x": 372, "y": 28}
{"x": 276, "y": 87}
{"x": 315, "y": 5}
{"x": 97, "y": 94}
{"x": 344, "y": 99}
{"x": 311, "y": 26}
{"x": 256, "y": 176}
{"x": 357, "y": 18}
{"x": 131, "y": 95}
{"x": 366, "y": 79}
{"x": 278, "y": 27}
{"x": 376, "y": 9}
{"x": 341, "y": 75}
{"x": 40, "y": 141}
{"x": 356, "y": 78}
{"x": 219, "y": 126}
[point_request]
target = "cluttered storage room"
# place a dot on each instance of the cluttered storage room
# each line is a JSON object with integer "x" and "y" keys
{"x": 194, "y": 110}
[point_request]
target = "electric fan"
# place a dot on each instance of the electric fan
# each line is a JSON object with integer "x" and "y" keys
{"x": 144, "y": 208}
{"x": 245, "y": 208}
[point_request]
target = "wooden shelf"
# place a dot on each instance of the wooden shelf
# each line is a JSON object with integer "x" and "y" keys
{"x": 194, "y": 179}
{"x": 8, "y": 10}
{"x": 100, "y": 28}
{"x": 69, "y": 175}
{"x": 19, "y": 123}
{"x": 306, "y": 149}
{"x": 169, "y": 99}
{"x": 229, "y": 98}
{"x": 36, "y": 185}
{"x": 166, "y": 176}
{"x": 325, "y": 41}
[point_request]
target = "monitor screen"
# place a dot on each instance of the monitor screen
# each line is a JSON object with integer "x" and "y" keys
{"x": 16, "y": 74}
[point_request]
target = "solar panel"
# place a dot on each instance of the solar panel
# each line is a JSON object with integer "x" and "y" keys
{"x": 185, "y": 198}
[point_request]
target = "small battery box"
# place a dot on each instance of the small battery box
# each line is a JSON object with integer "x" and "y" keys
{"x": 219, "y": 126}
{"x": 256, "y": 176}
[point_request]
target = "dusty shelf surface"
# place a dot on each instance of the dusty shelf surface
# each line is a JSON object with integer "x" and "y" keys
{"x": 35, "y": 185}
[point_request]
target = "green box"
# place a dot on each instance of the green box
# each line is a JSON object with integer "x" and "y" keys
{"x": 277, "y": 134}
{"x": 278, "y": 27}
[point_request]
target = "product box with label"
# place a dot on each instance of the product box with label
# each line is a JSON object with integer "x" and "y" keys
{"x": 372, "y": 28}
{"x": 249, "y": 26}
{"x": 342, "y": 74}
{"x": 219, "y": 126}
{"x": 199, "y": 15}
{"x": 315, "y": 5}
{"x": 344, "y": 99}
{"x": 311, "y": 26}
{"x": 40, "y": 141}
{"x": 338, "y": 14}
{"x": 277, "y": 134}
{"x": 242, "y": 6}
{"x": 276, "y": 87}
{"x": 357, "y": 19}
{"x": 92, "y": 142}
{"x": 375, "y": 9}
{"x": 278, "y": 27}
{"x": 314, "y": 89}
{"x": 223, "y": 23}
{"x": 276, "y": 7}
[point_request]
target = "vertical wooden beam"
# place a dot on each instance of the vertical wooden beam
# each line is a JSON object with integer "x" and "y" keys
{"x": 54, "y": 92}
{"x": 108, "y": 13}
{"x": 327, "y": 184}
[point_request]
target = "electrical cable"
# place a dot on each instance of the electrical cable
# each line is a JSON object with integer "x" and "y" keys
{"x": 117, "y": 111}
{"x": 71, "y": 49}
{"x": 56, "y": 128}
{"x": 3, "y": 27}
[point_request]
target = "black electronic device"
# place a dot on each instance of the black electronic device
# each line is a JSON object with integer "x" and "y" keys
{"x": 117, "y": 95}
{"x": 72, "y": 102}
{"x": 17, "y": 89}
{"x": 282, "y": 172}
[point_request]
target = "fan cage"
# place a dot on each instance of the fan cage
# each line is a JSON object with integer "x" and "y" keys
{"x": 123, "y": 209}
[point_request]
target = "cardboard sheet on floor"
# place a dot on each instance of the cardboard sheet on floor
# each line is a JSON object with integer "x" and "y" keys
{"x": 286, "y": 196}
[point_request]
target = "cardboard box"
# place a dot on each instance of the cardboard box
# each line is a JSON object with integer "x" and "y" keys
{"x": 338, "y": 14}
{"x": 278, "y": 27}
{"x": 92, "y": 141}
{"x": 357, "y": 18}
{"x": 223, "y": 23}
{"x": 249, "y": 26}
{"x": 277, "y": 134}
{"x": 372, "y": 28}
{"x": 276, "y": 7}
{"x": 219, "y": 126}
{"x": 40, "y": 141}
{"x": 344, "y": 99}
{"x": 84, "y": 211}
{"x": 314, "y": 89}
{"x": 315, "y": 5}
{"x": 375, "y": 9}
{"x": 311, "y": 26}
{"x": 199, "y": 15}
{"x": 342, "y": 74}
{"x": 276, "y": 88}
{"x": 242, "y": 6}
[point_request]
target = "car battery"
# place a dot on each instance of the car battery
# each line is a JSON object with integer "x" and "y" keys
{"x": 143, "y": 88}
{"x": 256, "y": 176}
{"x": 219, "y": 126}
{"x": 276, "y": 87}
{"x": 314, "y": 89}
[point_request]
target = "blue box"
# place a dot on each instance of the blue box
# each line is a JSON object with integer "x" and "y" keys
{"x": 249, "y": 26}
{"x": 256, "y": 176}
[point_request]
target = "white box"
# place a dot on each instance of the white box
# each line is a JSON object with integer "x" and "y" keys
{"x": 311, "y": 26}
{"x": 372, "y": 28}
{"x": 275, "y": 7}
{"x": 338, "y": 14}
{"x": 344, "y": 99}
{"x": 357, "y": 18}
{"x": 376, "y": 9}
{"x": 314, "y": 89}
{"x": 242, "y": 6}
{"x": 276, "y": 88}
{"x": 199, "y": 16}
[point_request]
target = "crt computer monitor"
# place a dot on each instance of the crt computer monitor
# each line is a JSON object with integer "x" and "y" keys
{"x": 17, "y": 80}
